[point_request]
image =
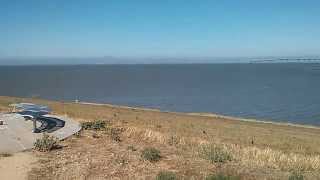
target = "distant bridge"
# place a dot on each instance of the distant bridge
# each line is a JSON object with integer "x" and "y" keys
{"x": 301, "y": 60}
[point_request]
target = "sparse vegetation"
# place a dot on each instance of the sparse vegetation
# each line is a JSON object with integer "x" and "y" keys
{"x": 296, "y": 176}
{"x": 221, "y": 176}
{"x": 95, "y": 135}
{"x": 173, "y": 140}
{"x": 78, "y": 134}
{"x": 251, "y": 148}
{"x": 46, "y": 143}
{"x": 131, "y": 148}
{"x": 115, "y": 134}
{"x": 166, "y": 175}
{"x": 5, "y": 154}
{"x": 151, "y": 154}
{"x": 97, "y": 125}
{"x": 215, "y": 153}
{"x": 121, "y": 160}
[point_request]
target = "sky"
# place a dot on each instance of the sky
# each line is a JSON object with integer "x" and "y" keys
{"x": 159, "y": 28}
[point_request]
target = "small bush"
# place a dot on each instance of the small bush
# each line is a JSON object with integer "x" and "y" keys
{"x": 46, "y": 143}
{"x": 165, "y": 175}
{"x": 222, "y": 177}
{"x": 215, "y": 154}
{"x": 151, "y": 154}
{"x": 296, "y": 176}
{"x": 97, "y": 125}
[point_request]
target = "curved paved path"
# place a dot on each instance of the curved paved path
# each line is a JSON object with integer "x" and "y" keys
{"x": 16, "y": 133}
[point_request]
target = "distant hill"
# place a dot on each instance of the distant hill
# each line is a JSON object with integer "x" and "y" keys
{"x": 137, "y": 60}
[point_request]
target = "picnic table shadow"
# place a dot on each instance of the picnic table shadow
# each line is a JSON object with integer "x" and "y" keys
{"x": 49, "y": 124}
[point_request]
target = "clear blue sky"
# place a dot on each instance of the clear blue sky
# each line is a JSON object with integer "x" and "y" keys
{"x": 165, "y": 28}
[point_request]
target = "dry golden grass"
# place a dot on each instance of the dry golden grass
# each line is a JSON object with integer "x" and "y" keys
{"x": 88, "y": 157}
{"x": 258, "y": 150}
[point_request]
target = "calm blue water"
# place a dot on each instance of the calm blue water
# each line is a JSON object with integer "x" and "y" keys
{"x": 278, "y": 92}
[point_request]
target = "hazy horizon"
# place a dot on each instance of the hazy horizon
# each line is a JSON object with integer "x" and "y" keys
{"x": 148, "y": 60}
{"x": 156, "y": 32}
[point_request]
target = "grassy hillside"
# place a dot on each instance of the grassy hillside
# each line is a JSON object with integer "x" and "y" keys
{"x": 191, "y": 146}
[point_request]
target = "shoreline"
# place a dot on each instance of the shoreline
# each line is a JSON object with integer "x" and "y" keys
{"x": 193, "y": 114}
{"x": 197, "y": 114}
{"x": 257, "y": 146}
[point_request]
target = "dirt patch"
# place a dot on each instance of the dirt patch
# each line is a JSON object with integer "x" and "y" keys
{"x": 17, "y": 166}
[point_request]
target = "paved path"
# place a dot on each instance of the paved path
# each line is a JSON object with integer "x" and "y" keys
{"x": 16, "y": 133}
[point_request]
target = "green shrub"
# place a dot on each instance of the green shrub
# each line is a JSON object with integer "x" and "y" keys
{"x": 165, "y": 175}
{"x": 214, "y": 153}
{"x": 151, "y": 154}
{"x": 296, "y": 176}
{"x": 222, "y": 177}
{"x": 97, "y": 125}
{"x": 46, "y": 143}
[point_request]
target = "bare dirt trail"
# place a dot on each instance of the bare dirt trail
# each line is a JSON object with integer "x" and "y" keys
{"x": 17, "y": 166}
